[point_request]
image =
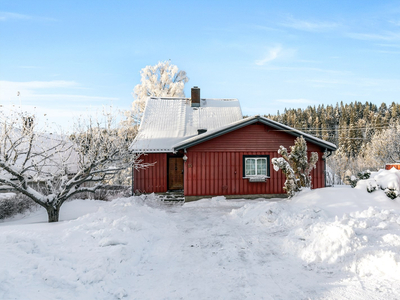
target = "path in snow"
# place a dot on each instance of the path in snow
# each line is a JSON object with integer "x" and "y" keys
{"x": 240, "y": 261}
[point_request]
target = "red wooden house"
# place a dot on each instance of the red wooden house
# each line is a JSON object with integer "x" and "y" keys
{"x": 205, "y": 148}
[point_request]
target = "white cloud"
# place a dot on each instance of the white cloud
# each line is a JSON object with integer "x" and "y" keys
{"x": 264, "y": 28}
{"x": 386, "y": 36}
{"x": 9, "y": 89}
{"x": 271, "y": 55}
{"x": 388, "y": 52}
{"x": 389, "y": 45}
{"x": 7, "y": 16}
{"x": 274, "y": 68}
{"x": 52, "y": 101}
{"x": 364, "y": 84}
{"x": 57, "y": 119}
{"x": 396, "y": 22}
{"x": 38, "y": 84}
{"x": 309, "y": 25}
{"x": 75, "y": 98}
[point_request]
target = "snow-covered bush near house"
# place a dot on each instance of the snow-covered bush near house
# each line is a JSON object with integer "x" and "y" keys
{"x": 387, "y": 180}
{"x": 352, "y": 180}
{"x": 332, "y": 243}
{"x": 296, "y": 166}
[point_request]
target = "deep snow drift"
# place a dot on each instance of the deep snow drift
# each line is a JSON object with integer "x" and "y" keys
{"x": 333, "y": 243}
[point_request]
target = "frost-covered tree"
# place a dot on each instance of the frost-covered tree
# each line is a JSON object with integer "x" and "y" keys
{"x": 295, "y": 166}
{"x": 383, "y": 148}
{"x": 339, "y": 163}
{"x": 161, "y": 80}
{"x": 51, "y": 168}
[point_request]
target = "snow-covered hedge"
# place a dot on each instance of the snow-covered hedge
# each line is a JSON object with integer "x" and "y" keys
{"x": 386, "y": 180}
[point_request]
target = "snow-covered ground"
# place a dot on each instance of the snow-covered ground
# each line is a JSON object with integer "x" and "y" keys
{"x": 333, "y": 243}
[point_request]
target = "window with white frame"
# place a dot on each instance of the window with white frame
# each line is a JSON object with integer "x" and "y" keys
{"x": 255, "y": 165}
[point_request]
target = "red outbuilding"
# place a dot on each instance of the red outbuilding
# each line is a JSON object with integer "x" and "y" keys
{"x": 205, "y": 148}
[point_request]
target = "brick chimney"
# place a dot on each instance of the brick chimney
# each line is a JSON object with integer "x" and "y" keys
{"x": 195, "y": 96}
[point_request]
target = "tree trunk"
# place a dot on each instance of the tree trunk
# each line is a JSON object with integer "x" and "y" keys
{"x": 53, "y": 213}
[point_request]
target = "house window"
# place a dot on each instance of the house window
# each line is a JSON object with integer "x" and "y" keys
{"x": 255, "y": 165}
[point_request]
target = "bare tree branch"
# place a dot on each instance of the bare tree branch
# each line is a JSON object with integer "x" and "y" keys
{"x": 51, "y": 168}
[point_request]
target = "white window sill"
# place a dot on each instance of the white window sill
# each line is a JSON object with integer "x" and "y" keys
{"x": 256, "y": 178}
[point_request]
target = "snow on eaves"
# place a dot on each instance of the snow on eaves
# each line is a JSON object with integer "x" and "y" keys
{"x": 168, "y": 121}
{"x": 243, "y": 122}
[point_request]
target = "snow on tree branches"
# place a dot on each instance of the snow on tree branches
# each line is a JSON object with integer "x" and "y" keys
{"x": 295, "y": 166}
{"x": 161, "y": 80}
{"x": 50, "y": 168}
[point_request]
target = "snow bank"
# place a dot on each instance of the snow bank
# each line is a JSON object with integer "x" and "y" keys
{"x": 335, "y": 229}
{"x": 332, "y": 243}
{"x": 78, "y": 258}
{"x": 387, "y": 178}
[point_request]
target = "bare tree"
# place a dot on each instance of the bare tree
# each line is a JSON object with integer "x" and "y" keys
{"x": 51, "y": 168}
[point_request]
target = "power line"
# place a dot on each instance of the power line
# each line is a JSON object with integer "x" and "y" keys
{"x": 332, "y": 129}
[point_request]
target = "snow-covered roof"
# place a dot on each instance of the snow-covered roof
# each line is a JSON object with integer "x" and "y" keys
{"x": 244, "y": 122}
{"x": 168, "y": 121}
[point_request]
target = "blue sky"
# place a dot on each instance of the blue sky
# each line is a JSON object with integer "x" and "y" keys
{"x": 74, "y": 57}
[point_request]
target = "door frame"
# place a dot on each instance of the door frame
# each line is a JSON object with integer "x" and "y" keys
{"x": 176, "y": 155}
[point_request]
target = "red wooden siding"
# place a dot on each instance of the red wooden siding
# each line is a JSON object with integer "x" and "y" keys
{"x": 394, "y": 165}
{"x": 215, "y": 167}
{"x": 255, "y": 137}
{"x": 152, "y": 179}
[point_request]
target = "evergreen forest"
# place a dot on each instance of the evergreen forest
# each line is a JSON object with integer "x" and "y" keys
{"x": 358, "y": 129}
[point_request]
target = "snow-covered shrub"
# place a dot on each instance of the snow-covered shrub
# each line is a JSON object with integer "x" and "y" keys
{"x": 12, "y": 204}
{"x": 391, "y": 193}
{"x": 385, "y": 180}
{"x": 364, "y": 175}
{"x": 111, "y": 192}
{"x": 372, "y": 186}
{"x": 352, "y": 180}
{"x": 295, "y": 166}
{"x": 290, "y": 185}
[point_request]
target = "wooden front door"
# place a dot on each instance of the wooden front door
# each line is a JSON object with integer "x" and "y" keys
{"x": 175, "y": 173}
